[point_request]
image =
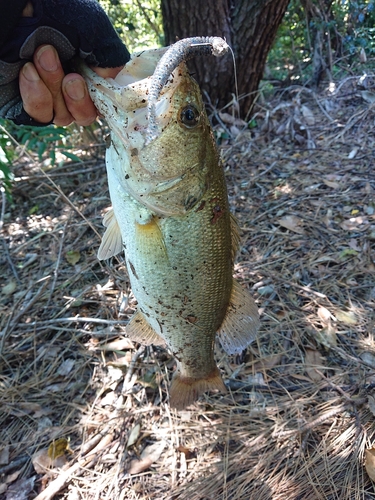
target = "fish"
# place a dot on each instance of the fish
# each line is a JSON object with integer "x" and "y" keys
{"x": 170, "y": 214}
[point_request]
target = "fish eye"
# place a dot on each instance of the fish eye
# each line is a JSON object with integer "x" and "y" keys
{"x": 189, "y": 116}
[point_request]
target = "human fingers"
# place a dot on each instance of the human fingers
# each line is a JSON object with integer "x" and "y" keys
{"x": 37, "y": 99}
{"x": 48, "y": 66}
{"x": 77, "y": 99}
{"x": 108, "y": 72}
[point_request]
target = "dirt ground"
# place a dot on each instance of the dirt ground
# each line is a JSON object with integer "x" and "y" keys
{"x": 84, "y": 412}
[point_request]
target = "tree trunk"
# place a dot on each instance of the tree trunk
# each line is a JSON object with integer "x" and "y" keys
{"x": 249, "y": 27}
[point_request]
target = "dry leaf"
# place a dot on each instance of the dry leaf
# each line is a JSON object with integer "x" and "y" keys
{"x": 4, "y": 455}
{"x": 149, "y": 455}
{"x": 324, "y": 314}
{"x": 371, "y": 404}
{"x": 362, "y": 56}
{"x": 308, "y": 115}
{"x": 227, "y": 118}
{"x": 267, "y": 363}
{"x": 187, "y": 452}
{"x": 368, "y": 96}
{"x": 66, "y": 367}
{"x": 134, "y": 435}
{"x": 10, "y": 288}
{"x": 42, "y": 462}
{"x": 347, "y": 317}
{"x": 370, "y": 463}
{"x": 292, "y": 223}
{"x": 20, "y": 489}
{"x": 313, "y": 360}
{"x": 109, "y": 399}
{"x": 327, "y": 336}
{"x": 353, "y": 223}
{"x": 368, "y": 359}
{"x": 332, "y": 184}
{"x": 117, "y": 345}
{"x": 353, "y": 153}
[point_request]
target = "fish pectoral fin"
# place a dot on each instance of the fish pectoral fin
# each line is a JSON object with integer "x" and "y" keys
{"x": 184, "y": 391}
{"x": 150, "y": 241}
{"x": 140, "y": 331}
{"x": 112, "y": 241}
{"x": 241, "y": 323}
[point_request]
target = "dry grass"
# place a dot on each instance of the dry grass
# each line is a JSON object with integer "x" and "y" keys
{"x": 298, "y": 416}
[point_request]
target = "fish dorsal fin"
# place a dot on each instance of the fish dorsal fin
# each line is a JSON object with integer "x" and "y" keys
{"x": 112, "y": 241}
{"x": 235, "y": 232}
{"x": 241, "y": 322}
{"x": 140, "y": 331}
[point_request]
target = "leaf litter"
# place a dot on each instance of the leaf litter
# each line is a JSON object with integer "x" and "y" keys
{"x": 298, "y": 419}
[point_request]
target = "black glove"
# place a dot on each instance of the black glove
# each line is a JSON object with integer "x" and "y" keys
{"x": 73, "y": 27}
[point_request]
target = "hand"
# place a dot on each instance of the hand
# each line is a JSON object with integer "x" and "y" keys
{"x": 48, "y": 94}
{"x": 48, "y": 35}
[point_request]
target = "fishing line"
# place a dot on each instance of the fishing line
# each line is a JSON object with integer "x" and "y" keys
{"x": 237, "y": 107}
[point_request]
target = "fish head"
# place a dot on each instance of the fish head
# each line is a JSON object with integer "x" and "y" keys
{"x": 170, "y": 173}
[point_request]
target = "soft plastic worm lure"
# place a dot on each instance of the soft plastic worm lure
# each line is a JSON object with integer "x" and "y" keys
{"x": 183, "y": 50}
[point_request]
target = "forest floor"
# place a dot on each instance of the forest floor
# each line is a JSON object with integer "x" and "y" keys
{"x": 84, "y": 411}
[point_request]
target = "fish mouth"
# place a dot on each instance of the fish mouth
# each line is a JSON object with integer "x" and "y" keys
{"x": 168, "y": 174}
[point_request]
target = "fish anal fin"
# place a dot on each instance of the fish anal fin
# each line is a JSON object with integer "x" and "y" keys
{"x": 241, "y": 323}
{"x": 140, "y": 331}
{"x": 184, "y": 391}
{"x": 112, "y": 241}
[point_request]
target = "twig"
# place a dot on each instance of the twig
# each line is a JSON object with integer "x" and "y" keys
{"x": 313, "y": 423}
{"x": 71, "y": 319}
{"x": 12, "y": 324}
{"x": 16, "y": 464}
{"x": 6, "y": 251}
{"x": 55, "y": 272}
{"x": 126, "y": 385}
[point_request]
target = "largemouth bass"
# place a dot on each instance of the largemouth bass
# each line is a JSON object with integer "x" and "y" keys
{"x": 171, "y": 217}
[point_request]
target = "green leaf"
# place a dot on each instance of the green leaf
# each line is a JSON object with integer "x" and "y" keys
{"x": 72, "y": 257}
{"x": 72, "y": 156}
{"x": 41, "y": 149}
{"x": 346, "y": 253}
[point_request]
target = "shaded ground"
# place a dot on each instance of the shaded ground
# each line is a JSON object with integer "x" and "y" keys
{"x": 300, "y": 409}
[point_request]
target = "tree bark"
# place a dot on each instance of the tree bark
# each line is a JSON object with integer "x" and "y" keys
{"x": 249, "y": 27}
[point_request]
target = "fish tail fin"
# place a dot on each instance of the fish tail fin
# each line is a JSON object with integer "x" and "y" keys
{"x": 186, "y": 390}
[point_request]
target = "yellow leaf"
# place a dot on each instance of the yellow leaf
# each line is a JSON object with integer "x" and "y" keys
{"x": 58, "y": 448}
{"x": 72, "y": 257}
{"x": 349, "y": 318}
{"x": 370, "y": 462}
